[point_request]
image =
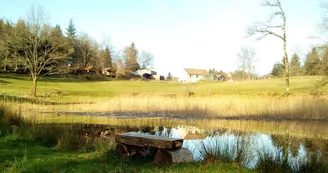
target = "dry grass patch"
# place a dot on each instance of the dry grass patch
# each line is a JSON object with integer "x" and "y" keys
{"x": 224, "y": 106}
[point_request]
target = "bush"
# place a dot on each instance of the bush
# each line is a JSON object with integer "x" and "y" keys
{"x": 60, "y": 136}
{"x": 9, "y": 121}
{"x": 67, "y": 137}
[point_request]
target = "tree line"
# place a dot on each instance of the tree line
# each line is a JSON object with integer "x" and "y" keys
{"x": 315, "y": 64}
{"x": 32, "y": 46}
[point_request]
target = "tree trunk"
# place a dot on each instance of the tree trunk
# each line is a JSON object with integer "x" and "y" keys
{"x": 285, "y": 55}
{"x": 287, "y": 74}
{"x": 5, "y": 63}
{"x": 286, "y": 67}
{"x": 16, "y": 65}
{"x": 35, "y": 80}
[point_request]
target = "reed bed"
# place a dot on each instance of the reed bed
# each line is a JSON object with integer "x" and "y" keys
{"x": 226, "y": 106}
{"x": 300, "y": 115}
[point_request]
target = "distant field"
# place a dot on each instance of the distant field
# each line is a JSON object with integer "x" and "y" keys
{"x": 67, "y": 89}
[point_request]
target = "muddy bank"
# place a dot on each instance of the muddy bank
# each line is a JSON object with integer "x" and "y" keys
{"x": 131, "y": 115}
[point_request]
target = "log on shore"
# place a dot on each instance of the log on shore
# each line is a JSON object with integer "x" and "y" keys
{"x": 167, "y": 157}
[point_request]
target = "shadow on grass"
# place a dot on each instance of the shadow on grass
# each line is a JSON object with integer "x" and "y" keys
{"x": 14, "y": 76}
{"x": 9, "y": 98}
{"x": 3, "y": 82}
{"x": 22, "y": 155}
{"x": 73, "y": 79}
{"x": 54, "y": 79}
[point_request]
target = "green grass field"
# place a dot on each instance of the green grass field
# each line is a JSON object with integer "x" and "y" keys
{"x": 66, "y": 89}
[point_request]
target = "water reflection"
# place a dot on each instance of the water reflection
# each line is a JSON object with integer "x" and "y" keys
{"x": 248, "y": 149}
{"x": 244, "y": 148}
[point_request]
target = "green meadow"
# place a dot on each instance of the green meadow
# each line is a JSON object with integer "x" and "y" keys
{"x": 253, "y": 106}
{"x": 66, "y": 88}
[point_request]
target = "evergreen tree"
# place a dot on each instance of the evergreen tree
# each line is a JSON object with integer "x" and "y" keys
{"x": 295, "y": 66}
{"x": 324, "y": 64}
{"x": 58, "y": 28}
{"x": 71, "y": 34}
{"x": 312, "y": 64}
{"x": 71, "y": 30}
{"x": 277, "y": 70}
{"x": 169, "y": 77}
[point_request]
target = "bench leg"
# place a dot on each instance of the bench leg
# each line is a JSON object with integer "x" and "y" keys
{"x": 166, "y": 157}
{"x": 125, "y": 150}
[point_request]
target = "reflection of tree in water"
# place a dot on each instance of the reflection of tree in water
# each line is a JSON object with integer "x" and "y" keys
{"x": 163, "y": 131}
{"x": 148, "y": 130}
{"x": 289, "y": 144}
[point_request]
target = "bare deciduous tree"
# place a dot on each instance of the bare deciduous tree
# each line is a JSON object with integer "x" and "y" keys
{"x": 146, "y": 60}
{"x": 263, "y": 29}
{"x": 246, "y": 60}
{"x": 87, "y": 51}
{"x": 323, "y": 26}
{"x": 42, "y": 47}
{"x": 118, "y": 63}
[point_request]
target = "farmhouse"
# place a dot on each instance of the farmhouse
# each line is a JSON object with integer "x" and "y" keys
{"x": 85, "y": 70}
{"x": 193, "y": 75}
{"x": 148, "y": 74}
{"x": 110, "y": 71}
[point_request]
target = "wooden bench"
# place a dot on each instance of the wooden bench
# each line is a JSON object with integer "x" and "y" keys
{"x": 166, "y": 150}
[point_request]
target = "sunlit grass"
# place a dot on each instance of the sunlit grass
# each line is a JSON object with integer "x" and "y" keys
{"x": 251, "y": 105}
{"x": 308, "y": 129}
{"x": 68, "y": 89}
{"x": 226, "y": 106}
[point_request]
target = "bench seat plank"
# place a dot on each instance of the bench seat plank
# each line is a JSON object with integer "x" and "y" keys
{"x": 145, "y": 140}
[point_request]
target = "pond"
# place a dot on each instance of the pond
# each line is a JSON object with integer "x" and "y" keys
{"x": 249, "y": 149}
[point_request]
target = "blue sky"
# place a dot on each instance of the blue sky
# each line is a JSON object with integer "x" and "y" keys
{"x": 182, "y": 33}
